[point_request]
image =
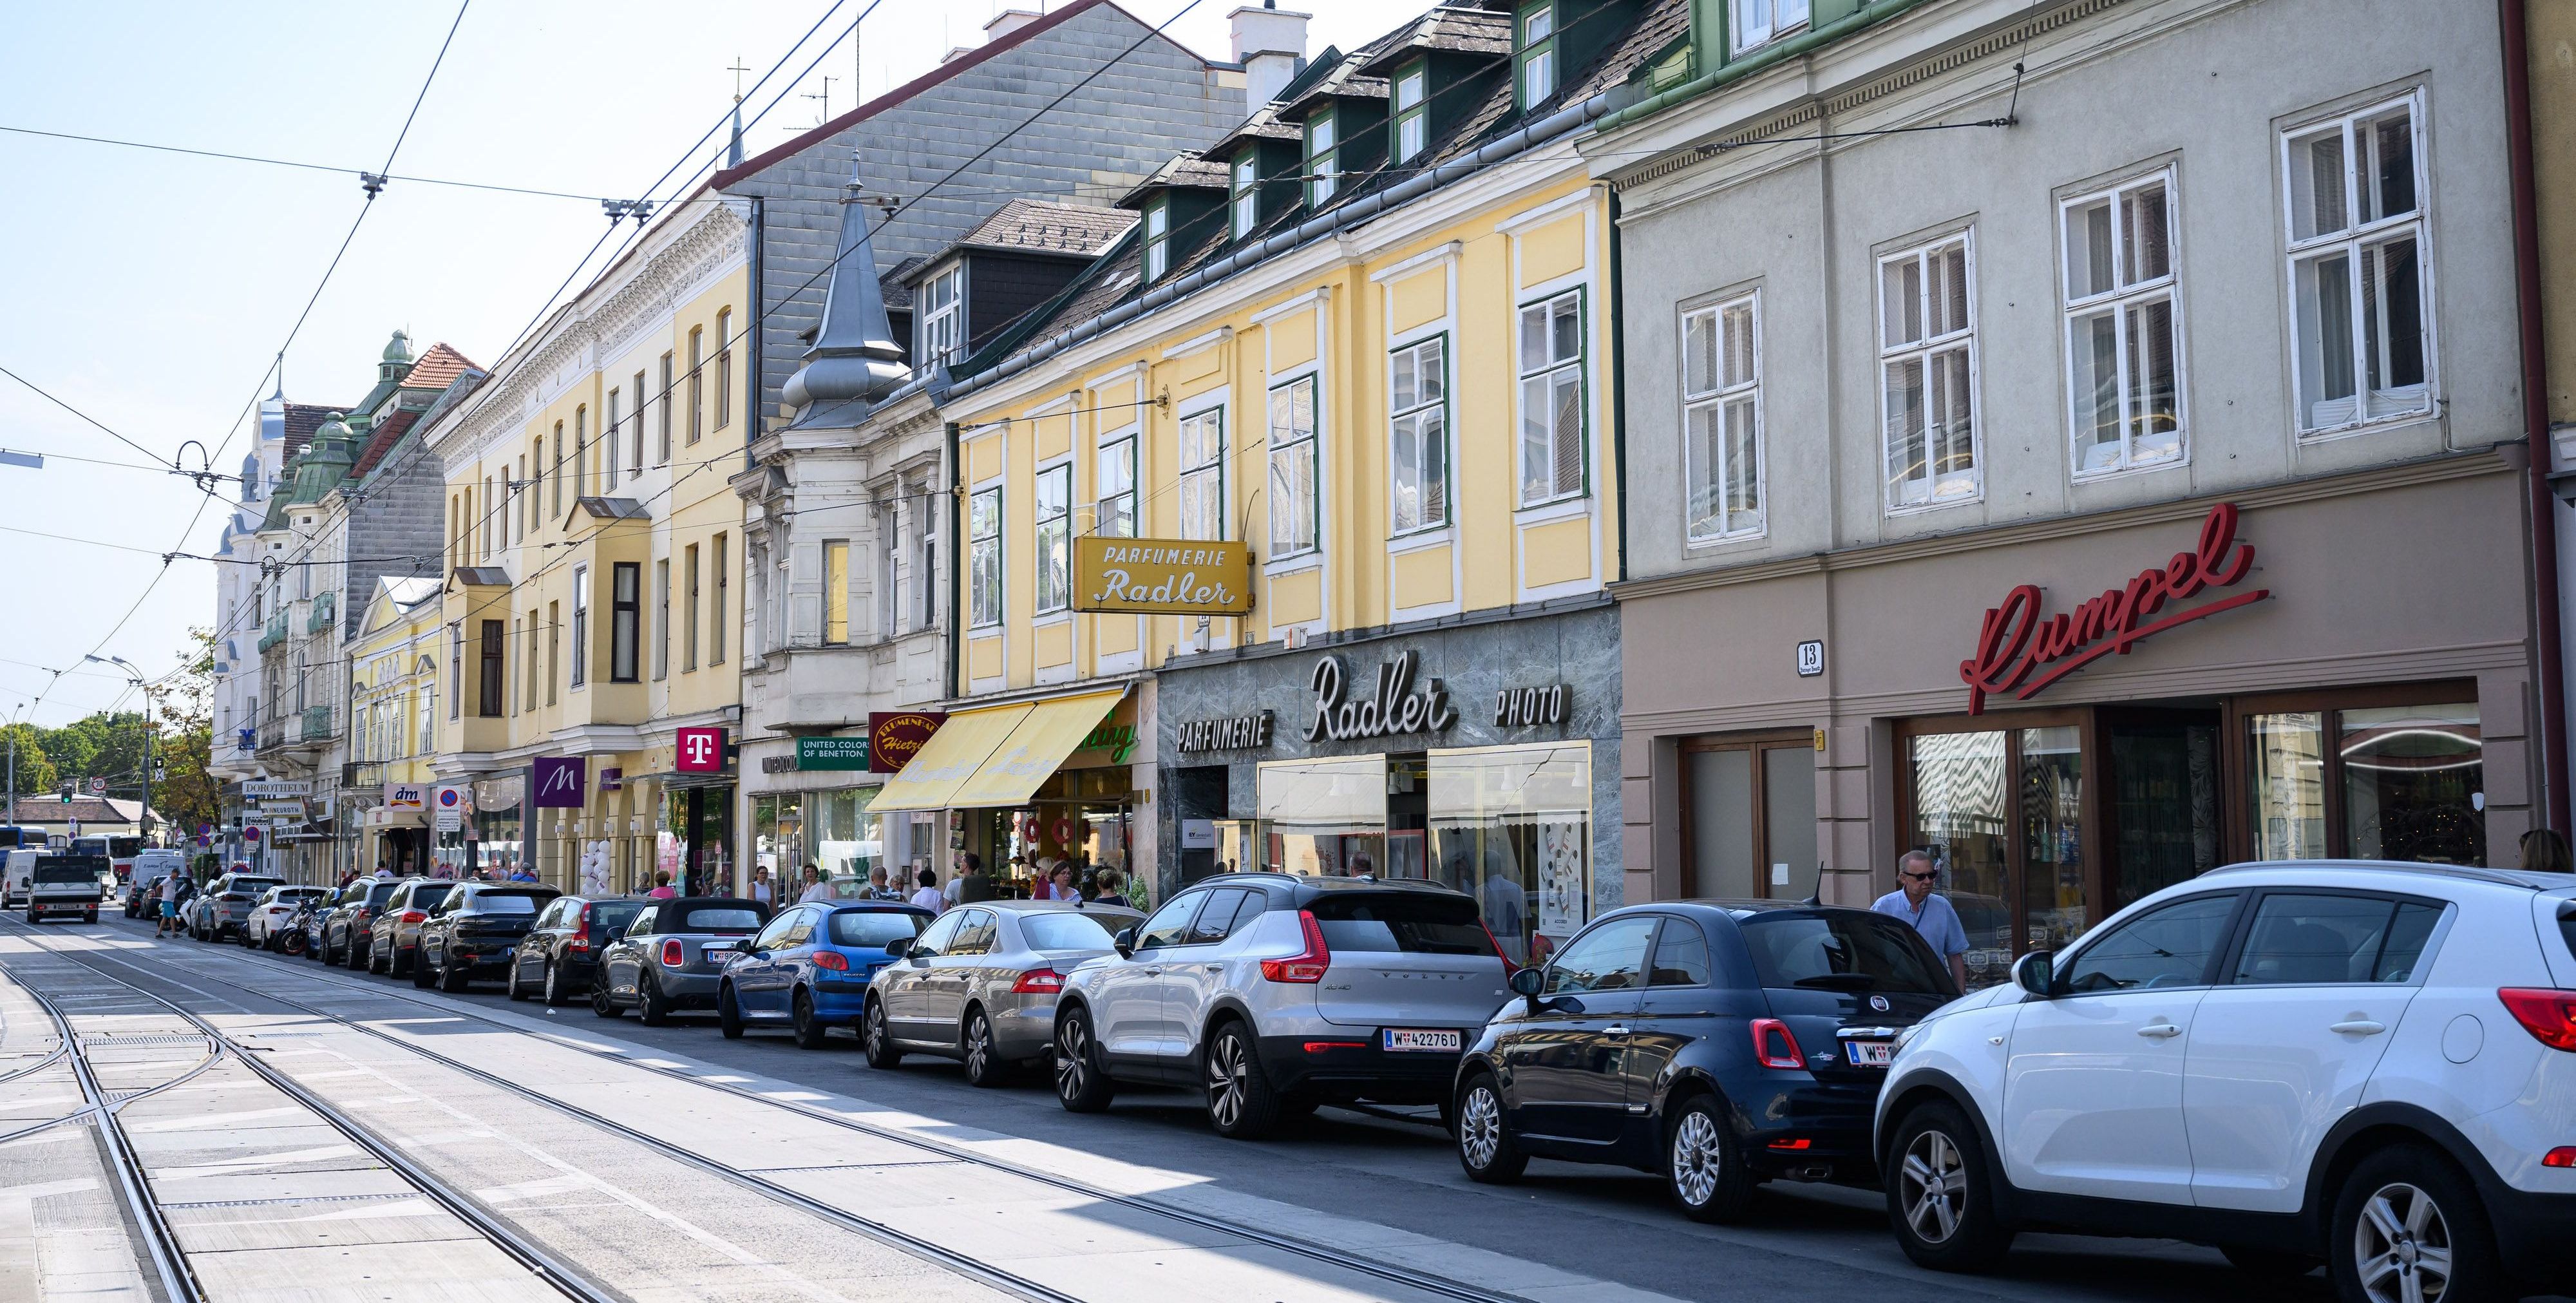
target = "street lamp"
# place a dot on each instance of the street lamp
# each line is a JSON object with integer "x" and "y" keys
{"x": 143, "y": 820}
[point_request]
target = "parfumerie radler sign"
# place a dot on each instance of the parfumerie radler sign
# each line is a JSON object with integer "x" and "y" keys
{"x": 1162, "y": 576}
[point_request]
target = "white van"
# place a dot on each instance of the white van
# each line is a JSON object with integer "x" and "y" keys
{"x": 22, "y": 872}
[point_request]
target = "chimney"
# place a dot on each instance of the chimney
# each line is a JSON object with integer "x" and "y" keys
{"x": 1007, "y": 22}
{"x": 1270, "y": 43}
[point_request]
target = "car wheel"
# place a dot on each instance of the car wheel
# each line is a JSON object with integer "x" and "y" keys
{"x": 650, "y": 1006}
{"x": 728, "y": 1013}
{"x": 420, "y": 971}
{"x": 2408, "y": 1228}
{"x": 554, "y": 985}
{"x": 362, "y": 958}
{"x": 876, "y": 1039}
{"x": 600, "y": 1003}
{"x": 452, "y": 979}
{"x": 1082, "y": 1084}
{"x": 1703, "y": 1164}
{"x": 811, "y": 1031}
{"x": 377, "y": 962}
{"x": 984, "y": 1066}
{"x": 2273, "y": 1265}
{"x": 1939, "y": 1196}
{"x": 1241, "y": 1103}
{"x": 1485, "y": 1145}
{"x": 510, "y": 985}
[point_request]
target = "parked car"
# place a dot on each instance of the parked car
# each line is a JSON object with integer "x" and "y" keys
{"x": 474, "y": 930}
{"x": 265, "y": 926}
{"x": 672, "y": 956}
{"x": 1719, "y": 1043}
{"x": 809, "y": 967}
{"x": 65, "y": 886}
{"x": 2358, "y": 1065}
{"x": 219, "y": 912}
{"x": 151, "y": 863}
{"x": 353, "y": 912}
{"x": 393, "y": 935}
{"x": 22, "y": 874}
{"x": 980, "y": 986}
{"x": 559, "y": 957}
{"x": 1271, "y": 994}
{"x": 143, "y": 896}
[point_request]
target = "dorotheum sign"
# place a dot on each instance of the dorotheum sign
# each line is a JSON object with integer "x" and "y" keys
{"x": 1161, "y": 576}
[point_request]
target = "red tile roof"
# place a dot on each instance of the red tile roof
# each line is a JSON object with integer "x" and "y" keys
{"x": 437, "y": 368}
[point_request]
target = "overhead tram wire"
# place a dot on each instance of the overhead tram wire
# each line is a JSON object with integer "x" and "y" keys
{"x": 333, "y": 168}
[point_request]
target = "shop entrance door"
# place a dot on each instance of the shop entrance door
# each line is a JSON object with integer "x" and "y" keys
{"x": 1749, "y": 817}
{"x": 2165, "y": 812}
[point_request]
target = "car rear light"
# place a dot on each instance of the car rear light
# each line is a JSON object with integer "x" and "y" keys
{"x": 1319, "y": 1047}
{"x": 578, "y": 944}
{"x": 674, "y": 954}
{"x": 2562, "y": 1156}
{"x": 1509, "y": 967}
{"x": 1774, "y": 1047}
{"x": 2546, "y": 1014}
{"x": 1791, "y": 1145}
{"x": 1307, "y": 965}
{"x": 413, "y": 916}
{"x": 1038, "y": 981}
{"x": 831, "y": 959}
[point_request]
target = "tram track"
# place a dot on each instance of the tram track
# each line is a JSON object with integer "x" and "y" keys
{"x": 1423, "y": 1282}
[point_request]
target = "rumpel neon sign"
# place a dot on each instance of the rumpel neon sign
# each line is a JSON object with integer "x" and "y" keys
{"x": 2019, "y": 653}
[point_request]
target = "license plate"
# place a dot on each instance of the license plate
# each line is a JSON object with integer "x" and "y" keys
{"x": 1418, "y": 1039}
{"x": 717, "y": 954}
{"x": 1869, "y": 1054}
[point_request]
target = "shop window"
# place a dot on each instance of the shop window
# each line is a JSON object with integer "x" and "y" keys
{"x": 2379, "y": 782}
{"x": 1927, "y": 366}
{"x": 1418, "y": 435}
{"x": 1053, "y": 532}
{"x": 847, "y": 840}
{"x": 625, "y": 609}
{"x": 1551, "y": 371}
{"x": 1325, "y": 817}
{"x": 1722, "y": 405}
{"x": 2357, "y": 237}
{"x": 1114, "y": 515}
{"x": 2122, "y": 327}
{"x": 1203, "y": 474}
{"x": 1749, "y": 820}
{"x": 836, "y": 591}
{"x": 984, "y": 558}
{"x": 1294, "y": 513}
{"x": 1967, "y": 795}
{"x": 1512, "y": 827}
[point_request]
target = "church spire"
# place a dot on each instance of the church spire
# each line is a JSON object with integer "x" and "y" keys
{"x": 854, "y": 353}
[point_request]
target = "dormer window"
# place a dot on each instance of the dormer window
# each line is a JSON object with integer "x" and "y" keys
{"x": 1760, "y": 22}
{"x": 1412, "y": 121}
{"x": 943, "y": 317}
{"x": 1158, "y": 240}
{"x": 1246, "y": 190}
{"x": 1323, "y": 159}
{"x": 1538, "y": 53}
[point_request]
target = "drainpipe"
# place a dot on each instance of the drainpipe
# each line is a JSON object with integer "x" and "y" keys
{"x": 2535, "y": 409}
{"x": 956, "y": 568}
{"x": 1619, "y": 384}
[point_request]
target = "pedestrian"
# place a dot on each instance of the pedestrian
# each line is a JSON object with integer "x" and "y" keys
{"x": 816, "y": 889}
{"x": 2544, "y": 851}
{"x": 1104, "y": 887}
{"x": 760, "y": 888}
{"x": 662, "y": 886}
{"x": 974, "y": 884}
{"x": 522, "y": 874}
{"x": 928, "y": 896}
{"x": 877, "y": 884}
{"x": 383, "y": 874}
{"x": 1061, "y": 887}
{"x": 1932, "y": 915}
{"x": 169, "y": 903}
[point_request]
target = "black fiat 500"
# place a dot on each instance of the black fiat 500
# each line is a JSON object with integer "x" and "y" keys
{"x": 1720, "y": 1043}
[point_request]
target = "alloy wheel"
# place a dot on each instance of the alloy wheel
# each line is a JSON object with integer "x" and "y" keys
{"x": 1480, "y": 1127}
{"x": 979, "y": 1046}
{"x": 1699, "y": 1157}
{"x": 1072, "y": 1058}
{"x": 2402, "y": 1245}
{"x": 1225, "y": 1087}
{"x": 1934, "y": 1187}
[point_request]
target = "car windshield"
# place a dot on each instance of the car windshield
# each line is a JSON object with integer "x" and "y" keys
{"x": 614, "y": 913}
{"x": 1418, "y": 922}
{"x": 873, "y": 928}
{"x": 718, "y": 918}
{"x": 1841, "y": 951}
{"x": 1065, "y": 931}
{"x": 508, "y": 902}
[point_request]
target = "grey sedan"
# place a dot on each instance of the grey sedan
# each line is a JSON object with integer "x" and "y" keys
{"x": 980, "y": 985}
{"x": 672, "y": 956}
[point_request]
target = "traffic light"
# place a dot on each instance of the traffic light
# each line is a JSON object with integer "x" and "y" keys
{"x": 67, "y": 793}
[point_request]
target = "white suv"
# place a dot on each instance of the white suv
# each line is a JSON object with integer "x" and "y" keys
{"x": 2366, "y": 1066}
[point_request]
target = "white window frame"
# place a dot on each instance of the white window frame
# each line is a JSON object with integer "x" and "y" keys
{"x": 1535, "y": 73}
{"x": 943, "y": 316}
{"x": 1117, "y": 452}
{"x": 1204, "y": 478}
{"x": 1051, "y": 511}
{"x": 1287, "y": 448}
{"x": 1158, "y": 239}
{"x": 2125, "y": 298}
{"x": 1551, "y": 371}
{"x": 1705, "y": 484}
{"x": 1323, "y": 157}
{"x": 1925, "y": 350}
{"x": 984, "y": 558}
{"x": 1414, "y": 114}
{"x": 580, "y": 626}
{"x": 1243, "y": 190}
{"x": 1752, "y": 24}
{"x": 2352, "y": 240}
{"x": 1405, "y": 432}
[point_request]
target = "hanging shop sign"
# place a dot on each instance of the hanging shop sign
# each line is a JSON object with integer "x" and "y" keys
{"x": 1394, "y": 707}
{"x": 699, "y": 751}
{"x": 1233, "y": 733}
{"x": 1162, "y": 576}
{"x": 1529, "y": 707}
{"x": 558, "y": 782}
{"x": 895, "y": 735}
{"x": 2019, "y": 653}
{"x": 406, "y": 796}
{"x": 832, "y": 753}
{"x": 260, "y": 789}
{"x": 290, "y": 809}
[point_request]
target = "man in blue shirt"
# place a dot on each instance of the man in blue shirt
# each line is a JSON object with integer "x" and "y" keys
{"x": 1931, "y": 915}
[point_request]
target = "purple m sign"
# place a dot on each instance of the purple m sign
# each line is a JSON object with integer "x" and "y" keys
{"x": 557, "y": 782}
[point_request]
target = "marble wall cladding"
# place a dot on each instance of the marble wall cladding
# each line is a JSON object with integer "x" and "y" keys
{"x": 1472, "y": 662}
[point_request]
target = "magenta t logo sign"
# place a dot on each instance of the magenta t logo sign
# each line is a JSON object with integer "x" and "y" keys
{"x": 558, "y": 782}
{"x": 701, "y": 751}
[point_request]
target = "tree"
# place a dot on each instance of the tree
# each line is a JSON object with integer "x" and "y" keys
{"x": 36, "y": 776}
{"x": 186, "y": 793}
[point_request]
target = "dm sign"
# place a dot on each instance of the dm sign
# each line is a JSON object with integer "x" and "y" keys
{"x": 1161, "y": 576}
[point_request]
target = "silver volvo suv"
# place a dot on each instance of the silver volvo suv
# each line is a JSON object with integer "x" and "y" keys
{"x": 1273, "y": 994}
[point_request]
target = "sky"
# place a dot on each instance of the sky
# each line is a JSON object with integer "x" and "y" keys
{"x": 153, "y": 291}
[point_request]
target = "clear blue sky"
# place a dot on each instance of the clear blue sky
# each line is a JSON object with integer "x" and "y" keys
{"x": 150, "y": 290}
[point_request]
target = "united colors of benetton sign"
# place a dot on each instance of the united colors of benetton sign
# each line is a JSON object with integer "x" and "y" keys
{"x": 1161, "y": 576}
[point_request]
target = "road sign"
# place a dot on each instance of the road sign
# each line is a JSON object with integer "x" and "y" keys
{"x": 98, "y": 787}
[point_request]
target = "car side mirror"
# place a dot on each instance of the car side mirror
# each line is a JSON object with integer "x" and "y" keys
{"x": 895, "y": 949}
{"x": 743, "y": 946}
{"x": 2033, "y": 973}
{"x": 1529, "y": 981}
{"x": 1125, "y": 942}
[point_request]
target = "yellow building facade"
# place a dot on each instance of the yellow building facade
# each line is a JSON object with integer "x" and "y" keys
{"x": 393, "y": 717}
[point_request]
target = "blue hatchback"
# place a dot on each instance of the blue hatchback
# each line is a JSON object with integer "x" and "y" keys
{"x": 809, "y": 968}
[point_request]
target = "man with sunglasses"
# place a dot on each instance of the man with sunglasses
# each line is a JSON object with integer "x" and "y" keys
{"x": 1931, "y": 915}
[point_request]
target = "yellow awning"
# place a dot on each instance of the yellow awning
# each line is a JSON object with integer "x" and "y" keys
{"x": 951, "y": 756}
{"x": 1040, "y": 743}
